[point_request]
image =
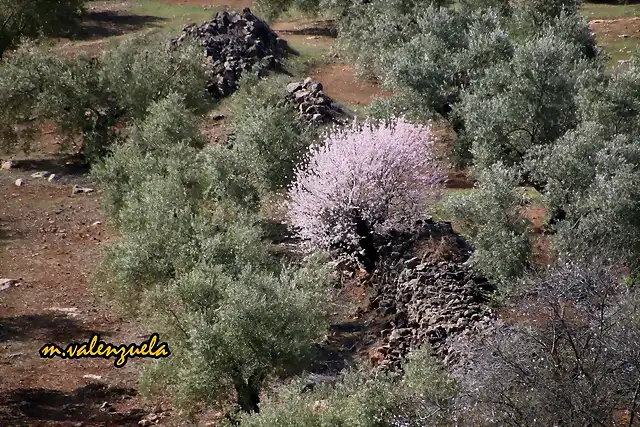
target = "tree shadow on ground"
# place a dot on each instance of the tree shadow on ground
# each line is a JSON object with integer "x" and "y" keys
{"x": 108, "y": 23}
{"x": 325, "y": 28}
{"x": 89, "y": 404}
{"x": 49, "y": 327}
{"x": 53, "y": 165}
{"x": 312, "y": 31}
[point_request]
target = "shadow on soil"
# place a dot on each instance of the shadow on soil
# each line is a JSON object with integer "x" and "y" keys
{"x": 49, "y": 327}
{"x": 312, "y": 31}
{"x": 99, "y": 24}
{"x": 56, "y": 166}
{"x": 89, "y": 404}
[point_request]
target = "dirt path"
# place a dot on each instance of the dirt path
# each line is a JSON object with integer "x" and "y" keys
{"x": 50, "y": 242}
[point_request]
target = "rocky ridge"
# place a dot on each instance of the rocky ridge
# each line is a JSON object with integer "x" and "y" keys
{"x": 427, "y": 293}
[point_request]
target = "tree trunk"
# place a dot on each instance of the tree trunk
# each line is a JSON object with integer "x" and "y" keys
{"x": 370, "y": 256}
{"x": 248, "y": 392}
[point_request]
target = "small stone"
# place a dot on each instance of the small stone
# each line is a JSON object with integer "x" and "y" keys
{"x": 421, "y": 267}
{"x": 300, "y": 96}
{"x": 307, "y": 81}
{"x": 41, "y": 174}
{"x": 78, "y": 190}
{"x": 6, "y": 283}
{"x": 19, "y": 182}
{"x": 96, "y": 223}
{"x": 294, "y": 87}
{"x": 92, "y": 377}
{"x": 412, "y": 263}
{"x": 316, "y": 87}
{"x": 52, "y": 177}
{"x": 9, "y": 164}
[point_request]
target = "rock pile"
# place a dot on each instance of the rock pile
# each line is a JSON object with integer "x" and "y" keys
{"x": 428, "y": 293}
{"x": 235, "y": 43}
{"x": 313, "y": 105}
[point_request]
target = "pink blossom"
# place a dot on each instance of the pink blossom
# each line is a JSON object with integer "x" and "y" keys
{"x": 386, "y": 172}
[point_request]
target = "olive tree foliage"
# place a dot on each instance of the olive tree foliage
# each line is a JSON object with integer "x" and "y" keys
{"x": 436, "y": 53}
{"x": 34, "y": 18}
{"x": 521, "y": 105}
{"x": 273, "y": 9}
{"x": 341, "y": 9}
{"x": 191, "y": 246}
{"x": 373, "y": 30}
{"x": 572, "y": 358}
{"x": 613, "y": 99}
{"x": 578, "y": 148}
{"x": 88, "y": 99}
{"x": 593, "y": 178}
{"x": 491, "y": 217}
{"x": 422, "y": 396}
{"x": 267, "y": 133}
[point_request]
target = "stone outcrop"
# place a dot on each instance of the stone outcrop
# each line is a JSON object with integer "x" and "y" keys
{"x": 313, "y": 105}
{"x": 235, "y": 43}
{"x": 427, "y": 293}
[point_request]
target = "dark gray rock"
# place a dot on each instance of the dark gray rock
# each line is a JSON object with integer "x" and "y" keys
{"x": 313, "y": 105}
{"x": 235, "y": 43}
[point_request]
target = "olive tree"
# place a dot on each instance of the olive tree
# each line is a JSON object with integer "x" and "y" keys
{"x": 34, "y": 18}
{"x": 89, "y": 100}
{"x": 267, "y": 134}
{"x": 491, "y": 216}
{"x": 190, "y": 244}
{"x": 520, "y": 105}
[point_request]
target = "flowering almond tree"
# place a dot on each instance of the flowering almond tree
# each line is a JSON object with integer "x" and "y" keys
{"x": 363, "y": 179}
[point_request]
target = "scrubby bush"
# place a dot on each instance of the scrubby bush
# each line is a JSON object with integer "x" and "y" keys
{"x": 35, "y": 18}
{"x": 491, "y": 216}
{"x": 267, "y": 132}
{"x": 571, "y": 357}
{"x": 361, "y": 399}
{"x": 361, "y": 179}
{"x": 88, "y": 100}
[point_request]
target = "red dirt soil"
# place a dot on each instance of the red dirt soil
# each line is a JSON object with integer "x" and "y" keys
{"x": 341, "y": 83}
{"x": 50, "y": 242}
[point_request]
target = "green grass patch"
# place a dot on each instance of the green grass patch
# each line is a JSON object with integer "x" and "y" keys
{"x": 309, "y": 56}
{"x": 620, "y": 49}
{"x": 439, "y": 211}
{"x": 609, "y": 11}
{"x": 174, "y": 17}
